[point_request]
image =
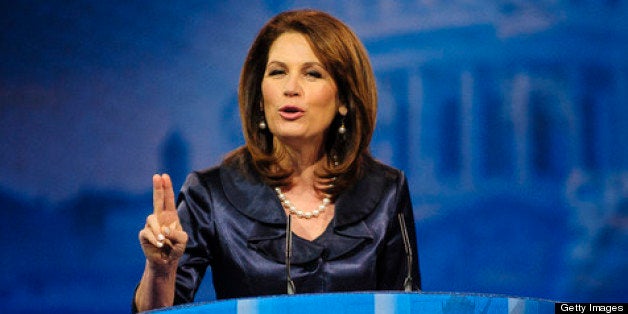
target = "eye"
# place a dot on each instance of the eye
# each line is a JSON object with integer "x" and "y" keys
{"x": 313, "y": 74}
{"x": 276, "y": 72}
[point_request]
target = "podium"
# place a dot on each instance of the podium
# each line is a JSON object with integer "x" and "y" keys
{"x": 368, "y": 302}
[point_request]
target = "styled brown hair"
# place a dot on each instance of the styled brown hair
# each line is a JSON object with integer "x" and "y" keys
{"x": 345, "y": 58}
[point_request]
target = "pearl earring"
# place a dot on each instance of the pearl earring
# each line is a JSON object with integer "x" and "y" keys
{"x": 342, "y": 129}
{"x": 262, "y": 124}
{"x": 342, "y": 110}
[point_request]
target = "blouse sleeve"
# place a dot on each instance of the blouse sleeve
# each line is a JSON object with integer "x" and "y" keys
{"x": 393, "y": 261}
{"x": 193, "y": 205}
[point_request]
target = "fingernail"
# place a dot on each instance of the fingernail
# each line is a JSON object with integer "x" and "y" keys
{"x": 159, "y": 244}
{"x": 167, "y": 231}
{"x": 160, "y": 237}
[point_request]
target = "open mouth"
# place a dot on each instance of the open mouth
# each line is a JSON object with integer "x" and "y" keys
{"x": 291, "y": 112}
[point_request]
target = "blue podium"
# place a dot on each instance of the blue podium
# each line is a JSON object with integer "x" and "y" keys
{"x": 369, "y": 302}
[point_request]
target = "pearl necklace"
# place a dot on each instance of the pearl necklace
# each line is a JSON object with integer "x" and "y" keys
{"x": 301, "y": 214}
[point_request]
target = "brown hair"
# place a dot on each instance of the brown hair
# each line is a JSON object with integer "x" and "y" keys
{"x": 345, "y": 58}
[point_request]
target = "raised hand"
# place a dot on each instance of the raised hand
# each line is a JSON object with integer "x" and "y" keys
{"x": 163, "y": 240}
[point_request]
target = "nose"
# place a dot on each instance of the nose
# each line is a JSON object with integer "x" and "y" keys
{"x": 292, "y": 87}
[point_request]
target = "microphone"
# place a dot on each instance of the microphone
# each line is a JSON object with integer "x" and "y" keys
{"x": 407, "y": 283}
{"x": 291, "y": 288}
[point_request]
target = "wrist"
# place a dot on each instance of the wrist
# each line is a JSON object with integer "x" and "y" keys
{"x": 161, "y": 269}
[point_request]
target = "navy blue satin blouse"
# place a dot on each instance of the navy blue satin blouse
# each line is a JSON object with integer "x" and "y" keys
{"x": 237, "y": 226}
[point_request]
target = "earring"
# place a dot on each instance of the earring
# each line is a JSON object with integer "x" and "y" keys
{"x": 342, "y": 110}
{"x": 262, "y": 124}
{"x": 342, "y": 129}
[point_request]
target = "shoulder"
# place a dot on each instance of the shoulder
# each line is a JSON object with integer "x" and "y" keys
{"x": 237, "y": 163}
{"x": 234, "y": 179}
{"x": 200, "y": 178}
{"x": 373, "y": 168}
{"x": 379, "y": 186}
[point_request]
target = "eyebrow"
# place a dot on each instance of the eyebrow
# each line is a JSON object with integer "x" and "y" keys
{"x": 306, "y": 64}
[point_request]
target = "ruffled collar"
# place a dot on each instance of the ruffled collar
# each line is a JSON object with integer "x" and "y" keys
{"x": 254, "y": 199}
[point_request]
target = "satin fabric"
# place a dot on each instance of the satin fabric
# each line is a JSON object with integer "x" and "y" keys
{"x": 237, "y": 226}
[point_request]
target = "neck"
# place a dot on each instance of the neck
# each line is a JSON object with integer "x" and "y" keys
{"x": 303, "y": 160}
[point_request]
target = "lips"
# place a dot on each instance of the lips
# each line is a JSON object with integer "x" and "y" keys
{"x": 290, "y": 112}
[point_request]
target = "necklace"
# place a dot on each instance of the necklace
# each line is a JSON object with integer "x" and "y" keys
{"x": 301, "y": 214}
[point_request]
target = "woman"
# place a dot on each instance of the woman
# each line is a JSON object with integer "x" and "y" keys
{"x": 308, "y": 102}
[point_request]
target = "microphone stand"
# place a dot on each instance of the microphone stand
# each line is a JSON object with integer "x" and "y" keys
{"x": 407, "y": 284}
{"x": 291, "y": 289}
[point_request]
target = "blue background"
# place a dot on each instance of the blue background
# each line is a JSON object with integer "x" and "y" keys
{"x": 507, "y": 116}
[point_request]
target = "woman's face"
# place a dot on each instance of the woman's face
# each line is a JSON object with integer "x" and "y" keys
{"x": 300, "y": 96}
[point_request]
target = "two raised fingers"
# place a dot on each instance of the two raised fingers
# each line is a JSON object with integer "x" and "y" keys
{"x": 163, "y": 194}
{"x": 164, "y": 220}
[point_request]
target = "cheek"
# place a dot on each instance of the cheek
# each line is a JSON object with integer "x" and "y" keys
{"x": 328, "y": 100}
{"x": 326, "y": 108}
{"x": 269, "y": 92}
